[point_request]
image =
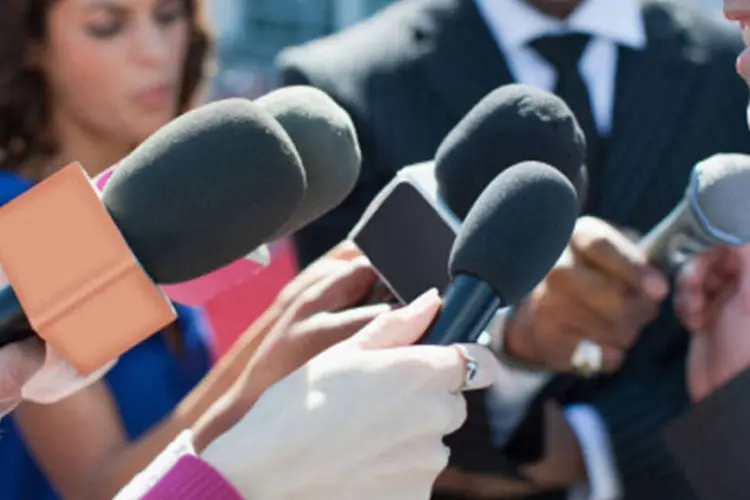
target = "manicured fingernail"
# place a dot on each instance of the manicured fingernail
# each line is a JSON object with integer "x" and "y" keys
{"x": 426, "y": 298}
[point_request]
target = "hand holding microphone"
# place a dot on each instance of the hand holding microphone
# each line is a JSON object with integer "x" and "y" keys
{"x": 325, "y": 312}
{"x": 364, "y": 419}
{"x": 713, "y": 302}
{"x": 705, "y": 239}
{"x": 33, "y": 371}
{"x": 713, "y": 212}
{"x": 602, "y": 290}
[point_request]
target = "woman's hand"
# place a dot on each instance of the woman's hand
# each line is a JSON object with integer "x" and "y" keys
{"x": 18, "y": 364}
{"x": 365, "y": 419}
{"x": 713, "y": 302}
{"x": 318, "y": 309}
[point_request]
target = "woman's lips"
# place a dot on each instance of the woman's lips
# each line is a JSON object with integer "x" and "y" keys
{"x": 155, "y": 98}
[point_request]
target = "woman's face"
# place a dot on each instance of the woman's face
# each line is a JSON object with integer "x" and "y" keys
{"x": 115, "y": 66}
{"x": 739, "y": 11}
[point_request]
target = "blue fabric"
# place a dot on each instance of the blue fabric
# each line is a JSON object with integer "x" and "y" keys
{"x": 147, "y": 384}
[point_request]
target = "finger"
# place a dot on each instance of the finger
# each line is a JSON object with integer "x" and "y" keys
{"x": 342, "y": 289}
{"x": 401, "y": 327}
{"x": 431, "y": 414}
{"x": 559, "y": 350}
{"x": 590, "y": 286}
{"x": 380, "y": 293}
{"x": 606, "y": 332}
{"x": 324, "y": 330}
{"x": 346, "y": 250}
{"x": 689, "y": 293}
{"x": 312, "y": 274}
{"x": 743, "y": 265}
{"x": 8, "y": 405}
{"x": 306, "y": 339}
{"x": 596, "y": 306}
{"x": 640, "y": 311}
{"x": 605, "y": 247}
{"x": 466, "y": 367}
{"x": 715, "y": 306}
{"x": 19, "y": 362}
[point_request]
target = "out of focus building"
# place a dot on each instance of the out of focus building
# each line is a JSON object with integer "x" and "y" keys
{"x": 251, "y": 32}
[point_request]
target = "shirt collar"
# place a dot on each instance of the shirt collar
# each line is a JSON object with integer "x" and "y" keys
{"x": 515, "y": 23}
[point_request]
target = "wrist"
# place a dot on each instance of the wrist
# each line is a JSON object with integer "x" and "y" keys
{"x": 225, "y": 414}
{"x": 244, "y": 456}
{"x": 511, "y": 343}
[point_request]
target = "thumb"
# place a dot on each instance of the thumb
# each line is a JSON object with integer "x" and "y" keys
{"x": 399, "y": 328}
{"x": 19, "y": 362}
{"x": 744, "y": 277}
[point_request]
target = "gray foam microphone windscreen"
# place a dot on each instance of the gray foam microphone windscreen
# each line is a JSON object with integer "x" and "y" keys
{"x": 512, "y": 124}
{"x": 516, "y": 230}
{"x": 205, "y": 190}
{"x": 325, "y": 138}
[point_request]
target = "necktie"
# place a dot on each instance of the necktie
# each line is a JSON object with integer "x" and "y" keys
{"x": 563, "y": 52}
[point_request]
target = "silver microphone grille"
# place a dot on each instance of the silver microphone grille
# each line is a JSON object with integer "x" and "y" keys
{"x": 720, "y": 196}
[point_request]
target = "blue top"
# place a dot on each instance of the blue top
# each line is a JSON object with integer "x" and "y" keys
{"x": 147, "y": 383}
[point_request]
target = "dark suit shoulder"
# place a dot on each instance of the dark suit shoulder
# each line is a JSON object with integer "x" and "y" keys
{"x": 667, "y": 19}
{"x": 379, "y": 45}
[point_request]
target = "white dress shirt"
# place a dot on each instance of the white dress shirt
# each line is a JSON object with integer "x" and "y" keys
{"x": 611, "y": 23}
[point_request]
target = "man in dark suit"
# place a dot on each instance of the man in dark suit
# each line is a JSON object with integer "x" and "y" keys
{"x": 642, "y": 80}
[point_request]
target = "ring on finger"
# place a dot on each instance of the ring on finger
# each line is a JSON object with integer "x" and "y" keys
{"x": 587, "y": 359}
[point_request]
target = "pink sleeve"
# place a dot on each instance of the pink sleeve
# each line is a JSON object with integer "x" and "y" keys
{"x": 101, "y": 180}
{"x": 192, "y": 479}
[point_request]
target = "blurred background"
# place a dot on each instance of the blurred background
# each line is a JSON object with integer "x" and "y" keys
{"x": 251, "y": 32}
{"x": 249, "y": 35}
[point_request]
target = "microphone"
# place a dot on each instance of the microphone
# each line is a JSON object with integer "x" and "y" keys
{"x": 202, "y": 191}
{"x": 714, "y": 211}
{"x": 512, "y": 124}
{"x": 511, "y": 237}
{"x": 205, "y": 190}
{"x": 408, "y": 229}
{"x": 326, "y": 141}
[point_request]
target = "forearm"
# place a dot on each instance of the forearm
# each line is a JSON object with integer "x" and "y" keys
{"x": 199, "y": 409}
{"x": 178, "y": 474}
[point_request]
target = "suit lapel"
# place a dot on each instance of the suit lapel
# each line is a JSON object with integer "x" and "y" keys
{"x": 462, "y": 61}
{"x": 651, "y": 98}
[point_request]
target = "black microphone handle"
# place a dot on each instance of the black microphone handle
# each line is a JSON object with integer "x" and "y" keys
{"x": 468, "y": 307}
{"x": 14, "y": 325}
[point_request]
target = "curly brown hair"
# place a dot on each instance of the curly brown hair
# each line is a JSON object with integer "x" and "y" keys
{"x": 24, "y": 95}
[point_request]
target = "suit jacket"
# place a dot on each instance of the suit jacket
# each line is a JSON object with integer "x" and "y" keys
{"x": 710, "y": 442}
{"x": 409, "y": 74}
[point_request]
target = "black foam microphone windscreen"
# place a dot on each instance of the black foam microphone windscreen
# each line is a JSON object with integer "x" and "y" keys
{"x": 512, "y": 124}
{"x": 326, "y": 140}
{"x": 510, "y": 239}
{"x": 205, "y": 190}
{"x": 516, "y": 230}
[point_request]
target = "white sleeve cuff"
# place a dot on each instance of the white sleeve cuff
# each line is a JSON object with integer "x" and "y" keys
{"x": 509, "y": 398}
{"x": 601, "y": 466}
{"x": 514, "y": 387}
{"x": 158, "y": 468}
